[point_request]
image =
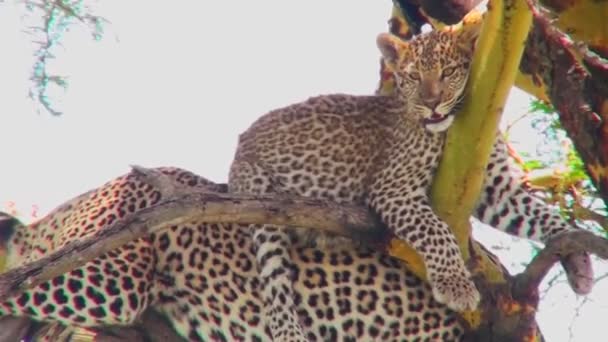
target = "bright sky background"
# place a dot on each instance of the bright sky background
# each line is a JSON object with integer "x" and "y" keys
{"x": 174, "y": 83}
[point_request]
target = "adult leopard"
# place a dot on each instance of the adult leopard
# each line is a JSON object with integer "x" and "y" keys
{"x": 204, "y": 279}
{"x": 382, "y": 151}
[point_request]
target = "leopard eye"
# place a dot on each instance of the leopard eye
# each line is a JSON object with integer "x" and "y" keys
{"x": 398, "y": 80}
{"x": 414, "y": 75}
{"x": 447, "y": 72}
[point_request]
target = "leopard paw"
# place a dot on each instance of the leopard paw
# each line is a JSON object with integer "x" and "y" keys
{"x": 458, "y": 292}
{"x": 579, "y": 272}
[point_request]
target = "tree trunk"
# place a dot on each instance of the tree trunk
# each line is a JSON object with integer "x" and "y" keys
{"x": 552, "y": 68}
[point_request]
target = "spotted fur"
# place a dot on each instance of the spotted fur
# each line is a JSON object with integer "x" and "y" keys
{"x": 112, "y": 289}
{"x": 382, "y": 151}
{"x": 203, "y": 277}
{"x": 347, "y": 294}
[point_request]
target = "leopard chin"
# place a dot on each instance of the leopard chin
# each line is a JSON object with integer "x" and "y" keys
{"x": 438, "y": 122}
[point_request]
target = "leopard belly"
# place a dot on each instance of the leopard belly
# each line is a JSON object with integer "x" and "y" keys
{"x": 344, "y": 294}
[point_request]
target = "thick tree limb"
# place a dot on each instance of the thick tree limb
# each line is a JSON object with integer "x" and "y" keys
{"x": 469, "y": 142}
{"x": 181, "y": 207}
{"x": 471, "y": 137}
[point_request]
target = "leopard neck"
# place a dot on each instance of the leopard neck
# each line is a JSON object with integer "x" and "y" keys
{"x": 410, "y": 137}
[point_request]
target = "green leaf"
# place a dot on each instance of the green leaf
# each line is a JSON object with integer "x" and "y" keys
{"x": 534, "y": 165}
{"x": 538, "y": 106}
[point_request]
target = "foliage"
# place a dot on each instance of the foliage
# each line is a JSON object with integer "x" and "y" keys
{"x": 55, "y": 18}
{"x": 557, "y": 173}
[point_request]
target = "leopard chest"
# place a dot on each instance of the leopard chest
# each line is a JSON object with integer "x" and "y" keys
{"x": 409, "y": 165}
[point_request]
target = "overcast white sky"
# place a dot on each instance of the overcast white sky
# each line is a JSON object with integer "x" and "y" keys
{"x": 173, "y": 83}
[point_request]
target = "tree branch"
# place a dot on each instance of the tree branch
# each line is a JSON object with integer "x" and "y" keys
{"x": 448, "y": 11}
{"x": 576, "y": 90}
{"x": 181, "y": 206}
{"x": 578, "y": 48}
{"x": 528, "y": 281}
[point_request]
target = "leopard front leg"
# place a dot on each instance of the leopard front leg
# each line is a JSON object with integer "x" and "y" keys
{"x": 272, "y": 255}
{"x": 506, "y": 204}
{"x": 412, "y": 220}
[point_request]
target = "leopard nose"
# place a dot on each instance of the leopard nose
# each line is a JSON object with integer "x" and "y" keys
{"x": 431, "y": 102}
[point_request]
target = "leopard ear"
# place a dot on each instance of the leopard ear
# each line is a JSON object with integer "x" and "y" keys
{"x": 393, "y": 49}
{"x": 467, "y": 39}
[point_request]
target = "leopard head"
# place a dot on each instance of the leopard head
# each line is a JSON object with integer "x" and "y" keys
{"x": 431, "y": 71}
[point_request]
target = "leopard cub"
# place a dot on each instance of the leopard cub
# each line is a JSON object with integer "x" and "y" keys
{"x": 382, "y": 151}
